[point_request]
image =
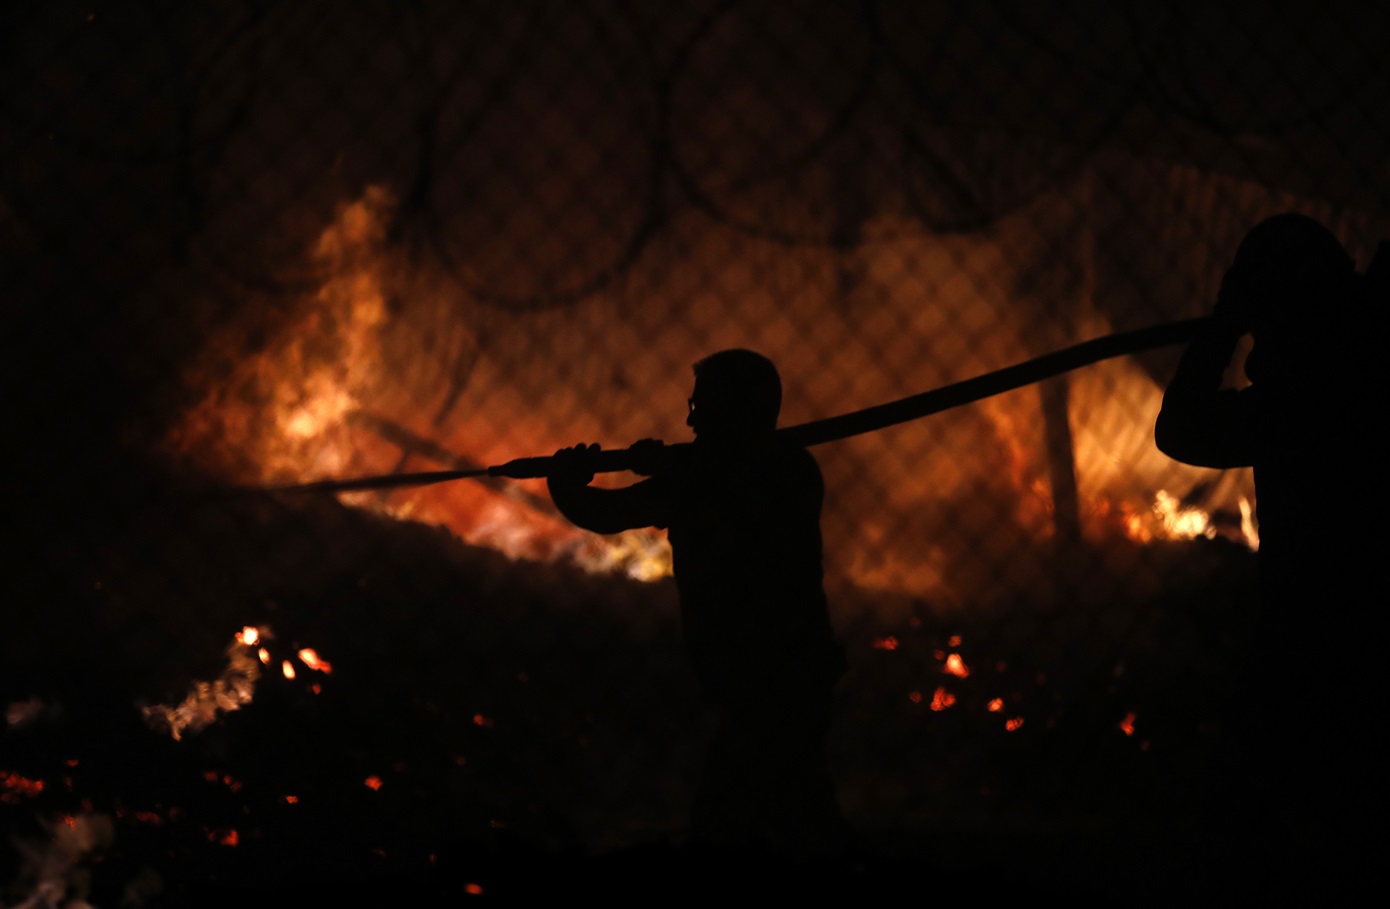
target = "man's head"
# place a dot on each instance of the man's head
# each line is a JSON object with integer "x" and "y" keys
{"x": 1286, "y": 271}
{"x": 737, "y": 396}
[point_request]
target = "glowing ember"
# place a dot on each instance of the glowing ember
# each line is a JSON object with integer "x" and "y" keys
{"x": 264, "y": 656}
{"x": 1127, "y": 724}
{"x": 249, "y": 636}
{"x": 287, "y": 668}
{"x": 953, "y": 641}
{"x": 472, "y": 889}
{"x": 915, "y": 697}
{"x": 956, "y": 666}
{"x": 1013, "y": 723}
{"x": 480, "y": 720}
{"x": 14, "y": 786}
{"x": 888, "y": 643}
{"x": 941, "y": 699}
{"x": 311, "y": 659}
{"x": 996, "y": 705}
{"x": 373, "y": 783}
{"x": 291, "y": 800}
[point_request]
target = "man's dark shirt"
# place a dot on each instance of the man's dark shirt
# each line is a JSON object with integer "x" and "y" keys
{"x": 1301, "y": 778}
{"x": 744, "y": 527}
{"x": 1308, "y": 425}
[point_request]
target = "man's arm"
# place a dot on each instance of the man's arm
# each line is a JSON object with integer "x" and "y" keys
{"x": 1200, "y": 423}
{"x": 602, "y": 510}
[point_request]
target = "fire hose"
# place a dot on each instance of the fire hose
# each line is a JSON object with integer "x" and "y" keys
{"x": 829, "y": 429}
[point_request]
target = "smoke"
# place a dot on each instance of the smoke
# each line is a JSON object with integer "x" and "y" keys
{"x": 52, "y": 869}
{"x": 207, "y": 701}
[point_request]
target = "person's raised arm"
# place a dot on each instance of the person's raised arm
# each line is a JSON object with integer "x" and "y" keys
{"x": 1200, "y": 423}
{"x": 601, "y": 510}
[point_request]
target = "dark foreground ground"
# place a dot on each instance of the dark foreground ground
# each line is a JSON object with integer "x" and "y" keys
{"x": 497, "y": 730}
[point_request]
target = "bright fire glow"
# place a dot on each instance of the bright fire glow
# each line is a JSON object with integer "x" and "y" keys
{"x": 293, "y": 407}
{"x": 354, "y": 376}
{"x": 941, "y": 699}
{"x": 1169, "y": 519}
{"x": 996, "y": 705}
{"x": 250, "y": 635}
{"x": 287, "y": 668}
{"x": 956, "y": 666}
{"x": 1127, "y": 724}
{"x": 1181, "y": 523}
{"x": 314, "y": 661}
{"x": 1013, "y": 723}
{"x": 1247, "y": 525}
{"x": 373, "y": 783}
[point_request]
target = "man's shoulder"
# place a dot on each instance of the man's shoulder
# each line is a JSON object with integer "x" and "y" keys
{"x": 796, "y": 467}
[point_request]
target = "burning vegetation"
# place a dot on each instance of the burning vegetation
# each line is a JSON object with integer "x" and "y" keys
{"x": 424, "y": 676}
{"x": 383, "y": 367}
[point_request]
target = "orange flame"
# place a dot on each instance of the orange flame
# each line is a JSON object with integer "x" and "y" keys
{"x": 956, "y": 666}
{"x": 311, "y": 659}
{"x": 941, "y": 699}
{"x": 14, "y": 786}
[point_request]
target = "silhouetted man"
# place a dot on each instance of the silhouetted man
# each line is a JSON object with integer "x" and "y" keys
{"x": 743, "y": 515}
{"x": 1305, "y": 766}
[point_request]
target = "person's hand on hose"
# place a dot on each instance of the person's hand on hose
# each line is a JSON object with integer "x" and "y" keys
{"x": 573, "y": 466}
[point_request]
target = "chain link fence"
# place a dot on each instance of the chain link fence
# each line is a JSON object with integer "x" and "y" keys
{"x": 256, "y": 243}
